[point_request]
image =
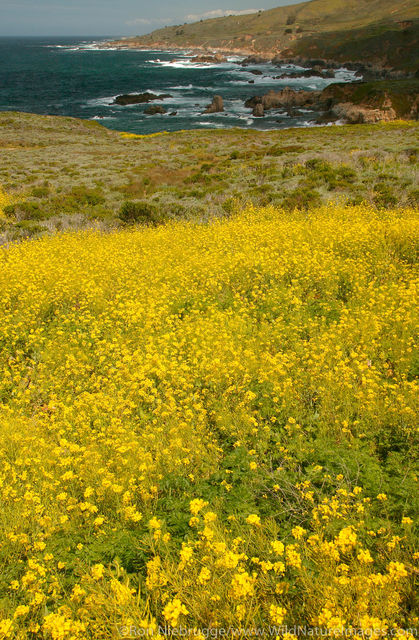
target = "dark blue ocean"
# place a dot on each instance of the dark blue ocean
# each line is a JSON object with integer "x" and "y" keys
{"x": 76, "y": 77}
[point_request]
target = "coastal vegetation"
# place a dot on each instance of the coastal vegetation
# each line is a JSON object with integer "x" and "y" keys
{"x": 62, "y": 173}
{"x": 208, "y": 356}
{"x": 210, "y": 425}
{"x": 381, "y": 32}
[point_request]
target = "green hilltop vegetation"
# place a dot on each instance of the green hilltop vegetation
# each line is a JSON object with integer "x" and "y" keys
{"x": 63, "y": 173}
{"x": 379, "y": 31}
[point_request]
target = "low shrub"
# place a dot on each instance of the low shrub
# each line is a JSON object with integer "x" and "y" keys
{"x": 301, "y": 198}
{"x": 140, "y": 212}
{"x": 25, "y": 211}
{"x": 40, "y": 192}
{"x": 84, "y": 196}
{"x": 384, "y": 196}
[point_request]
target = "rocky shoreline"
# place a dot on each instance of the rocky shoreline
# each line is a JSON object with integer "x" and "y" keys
{"x": 339, "y": 102}
{"x": 387, "y": 95}
{"x": 368, "y": 70}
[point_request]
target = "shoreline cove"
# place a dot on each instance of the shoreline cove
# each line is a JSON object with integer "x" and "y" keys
{"x": 101, "y": 74}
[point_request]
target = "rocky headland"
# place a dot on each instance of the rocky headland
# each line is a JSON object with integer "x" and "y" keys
{"x": 352, "y": 103}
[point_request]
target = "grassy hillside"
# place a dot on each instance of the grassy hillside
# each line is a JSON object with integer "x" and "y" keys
{"x": 387, "y": 44}
{"x": 61, "y": 173}
{"x": 318, "y": 27}
{"x": 211, "y": 426}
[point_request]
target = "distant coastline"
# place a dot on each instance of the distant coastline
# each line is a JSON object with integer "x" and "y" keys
{"x": 371, "y": 32}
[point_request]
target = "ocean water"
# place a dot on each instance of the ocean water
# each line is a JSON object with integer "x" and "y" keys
{"x": 76, "y": 77}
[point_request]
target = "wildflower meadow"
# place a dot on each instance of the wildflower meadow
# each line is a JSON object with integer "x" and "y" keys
{"x": 211, "y": 426}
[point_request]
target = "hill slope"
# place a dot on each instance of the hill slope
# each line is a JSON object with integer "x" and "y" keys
{"x": 192, "y": 174}
{"x": 290, "y": 29}
{"x": 200, "y": 423}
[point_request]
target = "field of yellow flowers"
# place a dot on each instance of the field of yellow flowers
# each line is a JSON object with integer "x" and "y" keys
{"x": 211, "y": 426}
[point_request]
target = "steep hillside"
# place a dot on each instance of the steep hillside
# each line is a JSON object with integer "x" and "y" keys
{"x": 386, "y": 44}
{"x": 292, "y": 29}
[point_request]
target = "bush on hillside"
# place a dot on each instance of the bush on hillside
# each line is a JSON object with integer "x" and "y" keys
{"x": 301, "y": 198}
{"x": 140, "y": 212}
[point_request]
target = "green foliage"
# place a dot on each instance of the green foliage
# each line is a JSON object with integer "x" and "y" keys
{"x": 414, "y": 198}
{"x": 85, "y": 197}
{"x": 320, "y": 171}
{"x": 301, "y": 198}
{"x": 140, "y": 212}
{"x": 25, "y": 211}
{"x": 384, "y": 196}
{"x": 196, "y": 175}
{"x": 40, "y": 192}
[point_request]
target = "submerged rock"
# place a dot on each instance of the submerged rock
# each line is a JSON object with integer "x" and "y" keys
{"x": 153, "y": 109}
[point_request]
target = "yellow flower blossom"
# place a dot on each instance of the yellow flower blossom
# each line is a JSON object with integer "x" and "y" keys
{"x": 173, "y": 610}
{"x": 277, "y": 614}
{"x": 98, "y": 571}
{"x": 243, "y": 585}
{"x": 197, "y": 505}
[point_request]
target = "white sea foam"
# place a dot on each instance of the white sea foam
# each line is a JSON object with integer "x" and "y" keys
{"x": 188, "y": 63}
{"x": 213, "y": 125}
{"x": 187, "y": 87}
{"x": 82, "y": 46}
{"x": 101, "y": 102}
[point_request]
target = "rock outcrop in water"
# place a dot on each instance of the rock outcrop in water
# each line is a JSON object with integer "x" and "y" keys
{"x": 139, "y": 98}
{"x": 258, "y": 110}
{"x": 216, "y": 106}
{"x": 316, "y": 71}
{"x": 215, "y": 59}
{"x": 285, "y": 98}
{"x": 255, "y": 59}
